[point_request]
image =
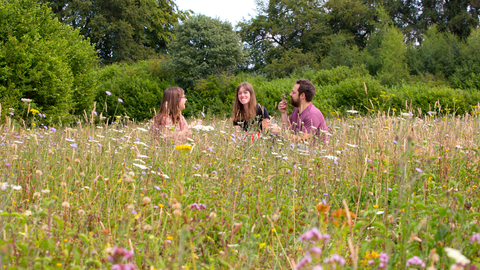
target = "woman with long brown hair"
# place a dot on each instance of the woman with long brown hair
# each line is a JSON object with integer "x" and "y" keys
{"x": 169, "y": 118}
{"x": 247, "y": 113}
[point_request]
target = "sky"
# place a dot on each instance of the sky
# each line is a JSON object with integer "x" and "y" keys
{"x": 226, "y": 10}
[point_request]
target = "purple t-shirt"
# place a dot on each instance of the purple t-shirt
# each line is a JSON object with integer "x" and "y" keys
{"x": 310, "y": 117}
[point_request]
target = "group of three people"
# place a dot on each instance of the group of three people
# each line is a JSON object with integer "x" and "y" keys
{"x": 305, "y": 121}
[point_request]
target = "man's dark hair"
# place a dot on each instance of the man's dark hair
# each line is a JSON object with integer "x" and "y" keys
{"x": 306, "y": 87}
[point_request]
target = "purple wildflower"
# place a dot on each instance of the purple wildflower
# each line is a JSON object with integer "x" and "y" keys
{"x": 198, "y": 206}
{"x": 395, "y": 142}
{"x": 94, "y": 112}
{"x": 108, "y": 93}
{"x": 233, "y": 139}
{"x": 120, "y": 254}
{"x": 12, "y": 114}
{"x": 8, "y": 165}
{"x": 418, "y": 170}
{"x": 315, "y": 250}
{"x": 314, "y": 234}
{"x": 134, "y": 212}
{"x": 99, "y": 144}
{"x": 74, "y": 145}
{"x": 127, "y": 266}
{"x": 214, "y": 172}
{"x": 474, "y": 239}
{"x": 210, "y": 149}
{"x": 383, "y": 258}
{"x": 336, "y": 259}
{"x": 318, "y": 267}
{"x": 415, "y": 261}
{"x": 203, "y": 114}
{"x": 120, "y": 100}
{"x": 303, "y": 262}
{"x": 53, "y": 129}
{"x": 158, "y": 188}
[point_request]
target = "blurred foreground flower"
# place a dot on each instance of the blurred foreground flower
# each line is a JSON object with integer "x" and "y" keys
{"x": 475, "y": 238}
{"x": 314, "y": 234}
{"x": 183, "y": 148}
{"x": 198, "y": 206}
{"x": 459, "y": 258}
{"x": 415, "y": 261}
{"x": 120, "y": 266}
{"x": 120, "y": 255}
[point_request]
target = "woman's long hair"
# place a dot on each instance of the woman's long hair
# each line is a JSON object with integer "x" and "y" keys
{"x": 170, "y": 106}
{"x": 239, "y": 113}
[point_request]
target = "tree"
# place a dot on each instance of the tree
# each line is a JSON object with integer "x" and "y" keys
{"x": 203, "y": 46}
{"x": 43, "y": 60}
{"x": 127, "y": 30}
{"x": 393, "y": 51}
{"x": 306, "y": 25}
{"x": 281, "y": 25}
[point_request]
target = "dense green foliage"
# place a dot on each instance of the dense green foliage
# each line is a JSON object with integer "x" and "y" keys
{"x": 43, "y": 60}
{"x": 139, "y": 88}
{"x": 127, "y": 30}
{"x": 203, "y": 46}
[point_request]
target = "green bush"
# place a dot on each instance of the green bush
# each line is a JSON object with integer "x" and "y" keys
{"x": 140, "y": 86}
{"x": 43, "y": 60}
{"x": 441, "y": 98}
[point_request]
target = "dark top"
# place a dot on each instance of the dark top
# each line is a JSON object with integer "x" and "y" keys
{"x": 255, "y": 123}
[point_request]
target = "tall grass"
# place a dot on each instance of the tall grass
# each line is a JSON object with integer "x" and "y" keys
{"x": 385, "y": 185}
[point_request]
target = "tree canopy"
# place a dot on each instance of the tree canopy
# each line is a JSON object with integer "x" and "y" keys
{"x": 204, "y": 46}
{"x": 128, "y": 30}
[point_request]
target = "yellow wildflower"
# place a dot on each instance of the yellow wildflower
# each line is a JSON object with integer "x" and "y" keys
{"x": 183, "y": 148}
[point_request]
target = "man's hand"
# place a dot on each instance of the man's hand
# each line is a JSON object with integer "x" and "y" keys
{"x": 282, "y": 106}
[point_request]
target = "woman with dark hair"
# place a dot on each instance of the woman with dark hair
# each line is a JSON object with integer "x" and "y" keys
{"x": 247, "y": 113}
{"x": 169, "y": 119}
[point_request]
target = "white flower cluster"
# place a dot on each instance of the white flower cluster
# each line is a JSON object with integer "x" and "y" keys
{"x": 5, "y": 185}
{"x": 203, "y": 128}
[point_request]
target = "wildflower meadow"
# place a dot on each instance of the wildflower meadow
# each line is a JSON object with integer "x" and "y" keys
{"x": 389, "y": 191}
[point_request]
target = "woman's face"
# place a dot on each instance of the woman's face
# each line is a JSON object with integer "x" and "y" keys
{"x": 181, "y": 106}
{"x": 243, "y": 96}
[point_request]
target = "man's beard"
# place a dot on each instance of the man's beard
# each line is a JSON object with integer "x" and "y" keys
{"x": 295, "y": 103}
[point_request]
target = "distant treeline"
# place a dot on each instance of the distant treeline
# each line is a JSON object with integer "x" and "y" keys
{"x": 116, "y": 57}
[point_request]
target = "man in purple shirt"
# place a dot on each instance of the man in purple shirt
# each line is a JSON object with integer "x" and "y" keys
{"x": 305, "y": 118}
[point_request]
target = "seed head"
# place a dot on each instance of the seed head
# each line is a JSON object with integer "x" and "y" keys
{"x": 66, "y": 205}
{"x": 146, "y": 200}
{"x": 212, "y": 215}
{"x": 69, "y": 168}
{"x": 177, "y": 212}
{"x": 132, "y": 174}
{"x": 36, "y": 194}
{"x": 81, "y": 212}
{"x": 82, "y": 174}
{"x": 147, "y": 227}
{"x": 130, "y": 207}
